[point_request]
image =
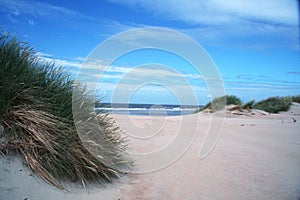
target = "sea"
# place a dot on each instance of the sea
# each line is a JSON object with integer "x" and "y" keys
{"x": 147, "y": 109}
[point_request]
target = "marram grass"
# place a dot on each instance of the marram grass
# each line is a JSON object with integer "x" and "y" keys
{"x": 274, "y": 104}
{"x": 36, "y": 113}
{"x": 220, "y": 103}
{"x": 271, "y": 104}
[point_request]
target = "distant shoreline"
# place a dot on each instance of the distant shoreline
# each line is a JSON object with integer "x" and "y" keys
{"x": 147, "y": 109}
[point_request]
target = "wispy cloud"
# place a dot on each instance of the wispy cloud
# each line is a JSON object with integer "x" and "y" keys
{"x": 219, "y": 12}
{"x": 92, "y": 70}
{"x": 261, "y": 85}
{"x": 16, "y": 8}
{"x": 31, "y": 22}
{"x": 238, "y": 35}
{"x": 294, "y": 73}
{"x": 155, "y": 80}
{"x": 66, "y": 62}
{"x": 218, "y": 22}
{"x": 261, "y": 79}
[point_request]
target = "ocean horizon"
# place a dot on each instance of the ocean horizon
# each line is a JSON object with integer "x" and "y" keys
{"x": 147, "y": 109}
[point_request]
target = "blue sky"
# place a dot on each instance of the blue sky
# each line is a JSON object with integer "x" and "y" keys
{"x": 254, "y": 44}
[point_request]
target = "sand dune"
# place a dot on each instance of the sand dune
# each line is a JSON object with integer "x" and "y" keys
{"x": 257, "y": 157}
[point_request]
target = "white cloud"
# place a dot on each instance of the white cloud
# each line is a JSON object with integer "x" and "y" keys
{"x": 31, "y": 22}
{"x": 39, "y": 9}
{"x": 42, "y": 54}
{"x": 264, "y": 34}
{"x": 151, "y": 73}
{"x": 218, "y": 12}
{"x": 278, "y": 11}
{"x": 221, "y": 23}
{"x": 62, "y": 62}
{"x": 127, "y": 78}
{"x": 76, "y": 63}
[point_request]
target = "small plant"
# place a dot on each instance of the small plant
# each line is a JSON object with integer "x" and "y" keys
{"x": 274, "y": 104}
{"x": 233, "y": 100}
{"x": 36, "y": 114}
{"x": 296, "y": 99}
{"x": 248, "y": 105}
{"x": 220, "y": 102}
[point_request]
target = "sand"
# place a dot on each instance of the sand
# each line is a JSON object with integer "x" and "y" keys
{"x": 256, "y": 157}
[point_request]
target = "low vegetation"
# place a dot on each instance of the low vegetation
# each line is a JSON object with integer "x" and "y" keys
{"x": 37, "y": 121}
{"x": 271, "y": 105}
{"x": 296, "y": 99}
{"x": 248, "y": 105}
{"x": 220, "y": 103}
{"x": 274, "y": 104}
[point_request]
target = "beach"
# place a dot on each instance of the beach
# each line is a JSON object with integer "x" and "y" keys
{"x": 144, "y": 100}
{"x": 256, "y": 157}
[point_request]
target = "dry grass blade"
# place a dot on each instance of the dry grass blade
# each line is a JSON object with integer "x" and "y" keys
{"x": 36, "y": 113}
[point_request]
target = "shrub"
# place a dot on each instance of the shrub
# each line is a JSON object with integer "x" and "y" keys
{"x": 231, "y": 99}
{"x": 274, "y": 104}
{"x": 248, "y": 105}
{"x": 296, "y": 98}
{"x": 220, "y": 102}
{"x": 36, "y": 113}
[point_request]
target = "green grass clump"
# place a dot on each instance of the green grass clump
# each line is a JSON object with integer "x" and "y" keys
{"x": 233, "y": 100}
{"x": 271, "y": 105}
{"x": 296, "y": 98}
{"x": 36, "y": 113}
{"x": 249, "y": 105}
{"x": 220, "y": 102}
{"x": 274, "y": 104}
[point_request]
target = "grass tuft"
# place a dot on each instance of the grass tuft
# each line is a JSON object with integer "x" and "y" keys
{"x": 274, "y": 104}
{"x": 271, "y": 105}
{"x": 296, "y": 99}
{"x": 220, "y": 103}
{"x": 36, "y": 113}
{"x": 249, "y": 105}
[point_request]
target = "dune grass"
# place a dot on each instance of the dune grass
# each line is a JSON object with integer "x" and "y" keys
{"x": 274, "y": 104}
{"x": 220, "y": 103}
{"x": 271, "y": 104}
{"x": 36, "y": 114}
{"x": 248, "y": 105}
{"x": 296, "y": 98}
